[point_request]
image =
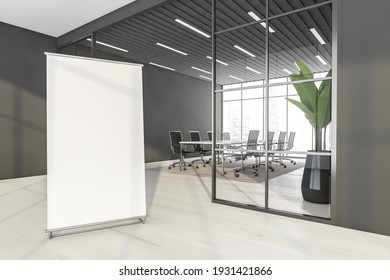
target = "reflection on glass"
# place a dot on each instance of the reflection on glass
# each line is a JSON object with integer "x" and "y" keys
{"x": 252, "y": 116}
{"x": 297, "y": 122}
{"x": 277, "y": 114}
{"x": 300, "y": 39}
{"x": 309, "y": 109}
{"x": 244, "y": 51}
{"x": 232, "y": 118}
{"x": 285, "y": 191}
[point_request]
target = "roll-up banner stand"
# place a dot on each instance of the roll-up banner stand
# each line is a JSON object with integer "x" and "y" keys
{"x": 95, "y": 142}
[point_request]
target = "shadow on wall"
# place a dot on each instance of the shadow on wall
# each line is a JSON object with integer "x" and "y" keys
{"x": 22, "y": 132}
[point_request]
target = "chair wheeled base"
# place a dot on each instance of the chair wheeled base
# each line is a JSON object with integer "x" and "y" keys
{"x": 185, "y": 164}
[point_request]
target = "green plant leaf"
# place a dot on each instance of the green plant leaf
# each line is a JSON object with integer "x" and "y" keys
{"x": 305, "y": 71}
{"x": 322, "y": 83}
{"x": 315, "y": 103}
{"x": 308, "y": 92}
{"x": 309, "y": 114}
{"x": 324, "y": 104}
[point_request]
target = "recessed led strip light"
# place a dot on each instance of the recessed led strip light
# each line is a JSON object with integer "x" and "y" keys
{"x": 172, "y": 49}
{"x": 253, "y": 70}
{"x": 296, "y": 65}
{"x": 204, "y": 77}
{"x": 318, "y": 36}
{"x": 321, "y": 59}
{"x": 201, "y": 70}
{"x": 165, "y": 67}
{"x": 287, "y": 71}
{"x": 234, "y": 77}
{"x": 223, "y": 63}
{"x": 107, "y": 45}
{"x": 192, "y": 28}
{"x": 256, "y": 18}
{"x": 244, "y": 51}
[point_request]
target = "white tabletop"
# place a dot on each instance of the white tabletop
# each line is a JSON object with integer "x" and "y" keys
{"x": 219, "y": 142}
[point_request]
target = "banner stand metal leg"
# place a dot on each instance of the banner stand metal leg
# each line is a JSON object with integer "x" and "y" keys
{"x": 94, "y": 226}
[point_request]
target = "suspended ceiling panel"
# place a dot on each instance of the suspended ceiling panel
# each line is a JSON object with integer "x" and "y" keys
{"x": 240, "y": 53}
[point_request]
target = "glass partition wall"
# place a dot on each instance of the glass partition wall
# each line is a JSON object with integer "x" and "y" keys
{"x": 273, "y": 70}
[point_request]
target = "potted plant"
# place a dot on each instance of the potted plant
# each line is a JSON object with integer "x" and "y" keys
{"x": 316, "y": 105}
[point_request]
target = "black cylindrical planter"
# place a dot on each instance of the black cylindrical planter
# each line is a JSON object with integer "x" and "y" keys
{"x": 316, "y": 179}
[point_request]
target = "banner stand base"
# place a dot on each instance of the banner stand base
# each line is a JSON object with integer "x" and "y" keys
{"x": 94, "y": 226}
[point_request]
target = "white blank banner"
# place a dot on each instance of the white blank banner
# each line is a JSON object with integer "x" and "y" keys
{"x": 95, "y": 140}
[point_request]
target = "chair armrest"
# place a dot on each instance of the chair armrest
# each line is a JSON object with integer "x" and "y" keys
{"x": 188, "y": 148}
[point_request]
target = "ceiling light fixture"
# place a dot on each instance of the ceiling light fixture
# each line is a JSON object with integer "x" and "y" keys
{"x": 318, "y": 36}
{"x": 234, "y": 77}
{"x": 253, "y": 70}
{"x": 287, "y": 71}
{"x": 192, "y": 28}
{"x": 265, "y": 26}
{"x": 172, "y": 49}
{"x": 244, "y": 51}
{"x": 107, "y": 45}
{"x": 256, "y": 18}
{"x": 158, "y": 65}
{"x": 201, "y": 70}
{"x": 223, "y": 63}
{"x": 204, "y": 77}
{"x": 321, "y": 59}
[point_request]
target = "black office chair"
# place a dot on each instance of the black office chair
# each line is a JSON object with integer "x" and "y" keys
{"x": 250, "y": 151}
{"x": 277, "y": 149}
{"x": 225, "y": 135}
{"x": 175, "y": 138}
{"x": 210, "y": 135}
{"x": 201, "y": 149}
{"x": 271, "y": 135}
{"x": 288, "y": 146}
{"x": 228, "y": 155}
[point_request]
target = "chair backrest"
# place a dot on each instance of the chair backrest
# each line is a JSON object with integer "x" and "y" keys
{"x": 252, "y": 139}
{"x": 175, "y": 138}
{"x": 195, "y": 136}
{"x": 281, "y": 140}
{"x": 210, "y": 135}
{"x": 271, "y": 135}
{"x": 291, "y": 138}
{"x": 225, "y": 136}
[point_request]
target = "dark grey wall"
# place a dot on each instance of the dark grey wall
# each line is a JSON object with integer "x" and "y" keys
{"x": 172, "y": 101}
{"x": 363, "y": 99}
{"x": 23, "y": 101}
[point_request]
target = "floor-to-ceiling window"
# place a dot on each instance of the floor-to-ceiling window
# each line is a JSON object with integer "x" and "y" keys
{"x": 278, "y": 83}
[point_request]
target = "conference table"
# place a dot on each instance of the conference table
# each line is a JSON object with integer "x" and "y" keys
{"x": 222, "y": 146}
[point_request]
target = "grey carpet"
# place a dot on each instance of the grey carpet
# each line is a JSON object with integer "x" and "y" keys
{"x": 246, "y": 175}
